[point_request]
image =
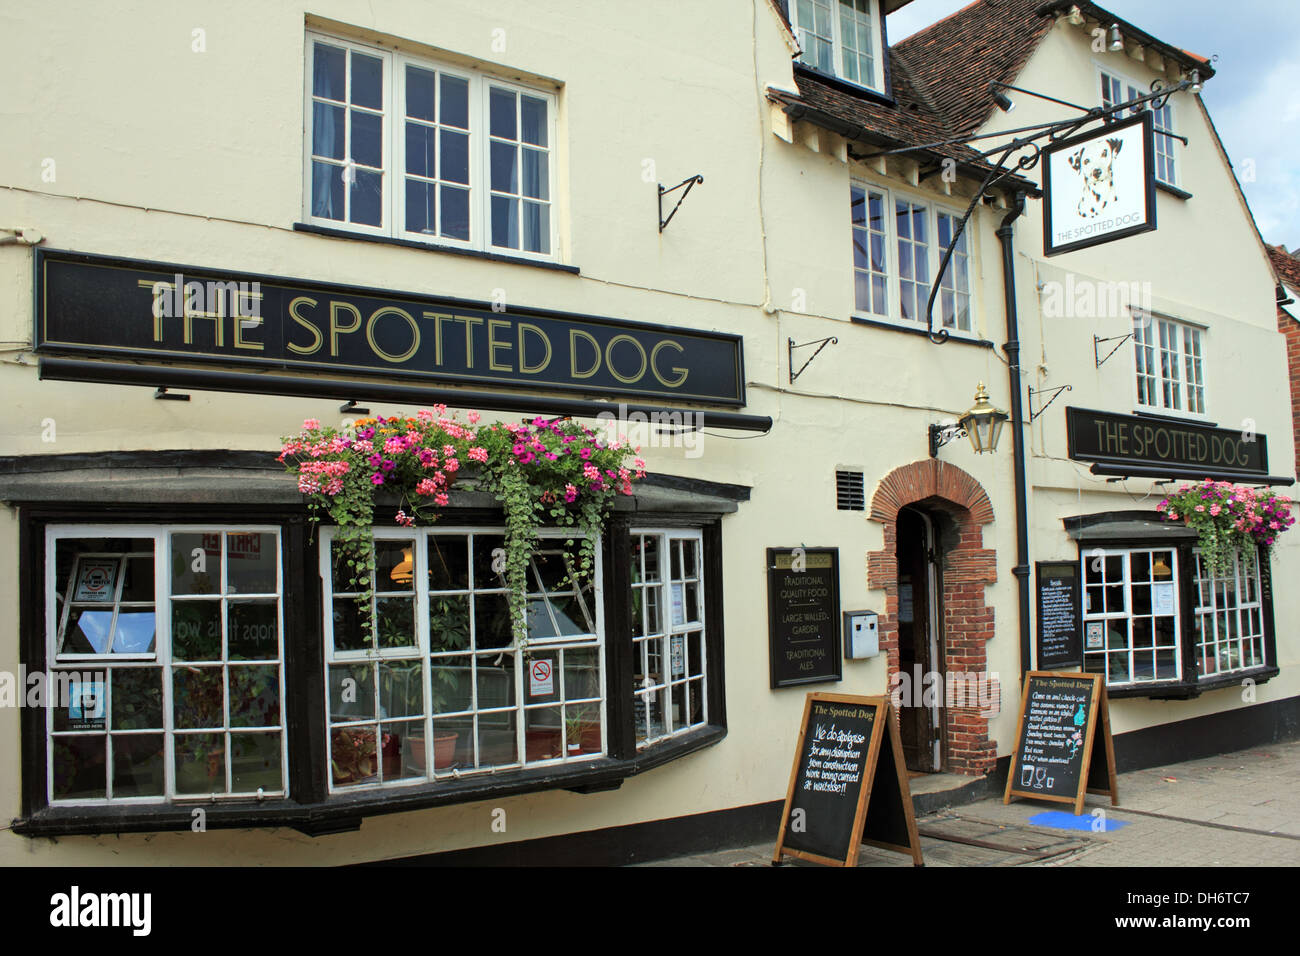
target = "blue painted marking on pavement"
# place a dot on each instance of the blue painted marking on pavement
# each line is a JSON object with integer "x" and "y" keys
{"x": 1068, "y": 821}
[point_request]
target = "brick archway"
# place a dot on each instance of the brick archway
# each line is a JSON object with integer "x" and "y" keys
{"x": 966, "y": 622}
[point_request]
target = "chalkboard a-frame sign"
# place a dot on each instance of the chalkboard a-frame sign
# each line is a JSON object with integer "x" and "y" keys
{"x": 803, "y": 615}
{"x": 1063, "y": 742}
{"x": 848, "y": 785}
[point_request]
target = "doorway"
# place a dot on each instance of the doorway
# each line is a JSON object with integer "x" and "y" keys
{"x": 920, "y": 656}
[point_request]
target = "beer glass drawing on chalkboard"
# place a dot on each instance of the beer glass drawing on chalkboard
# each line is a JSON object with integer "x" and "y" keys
{"x": 1026, "y": 776}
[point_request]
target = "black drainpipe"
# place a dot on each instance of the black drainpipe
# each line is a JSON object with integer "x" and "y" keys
{"x": 1012, "y": 348}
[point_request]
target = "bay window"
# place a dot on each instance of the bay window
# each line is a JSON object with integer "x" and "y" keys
{"x": 898, "y": 244}
{"x": 1156, "y": 623}
{"x": 429, "y": 152}
{"x": 1229, "y": 618}
{"x": 166, "y": 656}
{"x": 190, "y": 674}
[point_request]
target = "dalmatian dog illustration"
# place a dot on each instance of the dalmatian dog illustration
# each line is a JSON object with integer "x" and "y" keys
{"x": 1095, "y": 165}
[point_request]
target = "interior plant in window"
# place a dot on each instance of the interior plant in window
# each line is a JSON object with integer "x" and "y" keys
{"x": 1229, "y": 519}
{"x": 549, "y": 469}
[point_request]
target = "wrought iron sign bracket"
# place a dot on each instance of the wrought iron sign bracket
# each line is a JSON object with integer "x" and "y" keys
{"x": 689, "y": 183}
{"x": 352, "y": 408}
{"x": 940, "y": 435}
{"x": 162, "y": 394}
{"x": 1097, "y": 340}
{"x": 790, "y": 347}
{"x": 1043, "y": 391}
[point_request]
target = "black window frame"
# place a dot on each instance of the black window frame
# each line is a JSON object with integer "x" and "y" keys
{"x": 308, "y": 807}
{"x": 1192, "y": 684}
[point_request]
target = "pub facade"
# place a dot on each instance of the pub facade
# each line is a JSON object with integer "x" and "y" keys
{"x": 449, "y": 216}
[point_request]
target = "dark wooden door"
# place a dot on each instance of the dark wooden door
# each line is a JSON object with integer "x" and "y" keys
{"x": 915, "y": 658}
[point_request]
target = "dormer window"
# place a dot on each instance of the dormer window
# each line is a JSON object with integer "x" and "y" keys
{"x": 841, "y": 37}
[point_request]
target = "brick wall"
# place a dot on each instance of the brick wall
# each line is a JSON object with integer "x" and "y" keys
{"x": 966, "y": 622}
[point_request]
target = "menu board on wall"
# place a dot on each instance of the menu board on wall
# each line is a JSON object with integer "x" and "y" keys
{"x": 803, "y": 615}
{"x": 1058, "y": 615}
{"x": 848, "y": 785}
{"x": 1063, "y": 742}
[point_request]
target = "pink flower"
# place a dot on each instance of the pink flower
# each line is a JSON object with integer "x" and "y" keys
{"x": 570, "y": 494}
{"x": 478, "y": 454}
{"x": 591, "y": 472}
{"x": 585, "y": 454}
{"x": 441, "y": 500}
{"x": 450, "y": 465}
{"x": 473, "y": 418}
{"x": 427, "y": 486}
{"x": 311, "y": 424}
{"x": 377, "y": 478}
{"x": 1214, "y": 510}
{"x": 404, "y": 519}
{"x": 1200, "y": 507}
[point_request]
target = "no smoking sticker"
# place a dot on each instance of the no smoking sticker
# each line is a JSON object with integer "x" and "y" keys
{"x": 541, "y": 679}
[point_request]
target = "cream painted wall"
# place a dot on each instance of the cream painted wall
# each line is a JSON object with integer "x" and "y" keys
{"x": 162, "y": 153}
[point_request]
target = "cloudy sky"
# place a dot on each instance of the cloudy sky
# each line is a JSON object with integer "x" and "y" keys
{"x": 1254, "y": 96}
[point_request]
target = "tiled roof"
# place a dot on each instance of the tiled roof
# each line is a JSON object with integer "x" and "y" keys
{"x": 956, "y": 58}
{"x": 908, "y": 121}
{"x": 1286, "y": 266}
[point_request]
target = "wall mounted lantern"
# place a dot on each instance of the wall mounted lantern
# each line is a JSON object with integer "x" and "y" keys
{"x": 982, "y": 425}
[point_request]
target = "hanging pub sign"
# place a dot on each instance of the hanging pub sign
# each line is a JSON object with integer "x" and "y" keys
{"x": 1058, "y": 615}
{"x": 848, "y": 785}
{"x": 1063, "y": 742}
{"x": 1175, "y": 449}
{"x": 803, "y": 615}
{"x": 129, "y": 309}
{"x": 1099, "y": 186}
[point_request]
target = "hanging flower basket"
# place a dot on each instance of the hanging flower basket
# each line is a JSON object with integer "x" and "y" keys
{"x": 554, "y": 470}
{"x": 1228, "y": 519}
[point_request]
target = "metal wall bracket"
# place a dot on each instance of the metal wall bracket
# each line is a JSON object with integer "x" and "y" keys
{"x": 1096, "y": 356}
{"x": 689, "y": 182}
{"x": 1043, "y": 391}
{"x": 352, "y": 408}
{"x": 940, "y": 435}
{"x": 790, "y": 347}
{"x": 162, "y": 394}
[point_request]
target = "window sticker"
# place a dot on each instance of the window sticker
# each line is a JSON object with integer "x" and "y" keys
{"x": 96, "y": 581}
{"x": 1162, "y": 598}
{"x": 86, "y": 705}
{"x": 1096, "y": 636}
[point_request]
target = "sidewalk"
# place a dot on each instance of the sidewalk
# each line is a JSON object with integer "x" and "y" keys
{"x": 1236, "y": 809}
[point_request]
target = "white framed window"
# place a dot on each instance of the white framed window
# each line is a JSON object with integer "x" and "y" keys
{"x": 1117, "y": 89}
{"x": 898, "y": 243}
{"x": 841, "y": 37}
{"x": 669, "y": 656}
{"x": 166, "y": 654}
{"x": 440, "y": 689}
{"x": 430, "y": 152}
{"x": 1168, "y": 358}
{"x": 1229, "y": 618}
{"x": 1131, "y": 615}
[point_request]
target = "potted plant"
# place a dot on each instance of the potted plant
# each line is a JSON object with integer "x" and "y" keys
{"x": 581, "y": 731}
{"x": 1229, "y": 519}
{"x": 552, "y": 469}
{"x": 352, "y": 754}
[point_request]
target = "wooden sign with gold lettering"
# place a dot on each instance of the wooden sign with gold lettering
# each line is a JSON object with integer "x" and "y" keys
{"x": 123, "y": 308}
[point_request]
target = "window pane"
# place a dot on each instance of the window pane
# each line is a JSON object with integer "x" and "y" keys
{"x": 196, "y": 630}
{"x": 367, "y": 138}
{"x": 505, "y": 176}
{"x": 536, "y": 175}
{"x": 326, "y": 190}
{"x": 137, "y": 698}
{"x": 537, "y": 227}
{"x": 367, "y": 194}
{"x": 328, "y": 69}
{"x": 454, "y": 108}
{"x": 455, "y": 157}
{"x": 421, "y": 150}
{"x": 455, "y": 213}
{"x": 505, "y": 222}
{"x": 501, "y": 105}
{"x": 421, "y": 206}
{"x": 533, "y": 116}
{"x": 367, "y": 80}
{"x": 138, "y": 765}
{"x": 327, "y": 130}
{"x": 419, "y": 93}
{"x": 252, "y": 561}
